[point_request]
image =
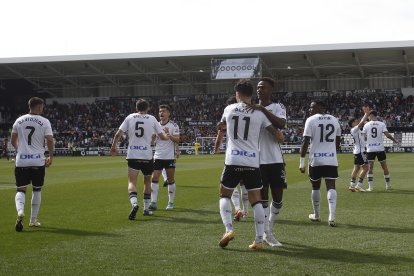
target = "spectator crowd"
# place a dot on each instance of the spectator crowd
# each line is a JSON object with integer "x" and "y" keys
{"x": 94, "y": 124}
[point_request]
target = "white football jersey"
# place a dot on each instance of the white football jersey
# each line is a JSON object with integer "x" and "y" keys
{"x": 373, "y": 131}
{"x": 31, "y": 131}
{"x": 359, "y": 140}
{"x": 140, "y": 128}
{"x": 165, "y": 149}
{"x": 323, "y": 130}
{"x": 270, "y": 150}
{"x": 243, "y": 133}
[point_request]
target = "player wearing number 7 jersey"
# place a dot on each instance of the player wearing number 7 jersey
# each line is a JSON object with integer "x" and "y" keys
{"x": 375, "y": 148}
{"x": 323, "y": 132}
{"x": 28, "y": 138}
{"x": 140, "y": 127}
{"x": 243, "y": 128}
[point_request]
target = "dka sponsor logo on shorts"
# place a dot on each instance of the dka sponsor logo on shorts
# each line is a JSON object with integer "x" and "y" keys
{"x": 138, "y": 148}
{"x": 243, "y": 153}
{"x": 30, "y": 156}
{"x": 324, "y": 154}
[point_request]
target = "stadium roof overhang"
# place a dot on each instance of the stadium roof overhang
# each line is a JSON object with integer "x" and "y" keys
{"x": 321, "y": 62}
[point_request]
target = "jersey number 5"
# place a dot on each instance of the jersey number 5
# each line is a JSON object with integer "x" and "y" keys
{"x": 139, "y": 129}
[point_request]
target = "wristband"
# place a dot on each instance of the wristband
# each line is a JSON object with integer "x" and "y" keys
{"x": 302, "y": 163}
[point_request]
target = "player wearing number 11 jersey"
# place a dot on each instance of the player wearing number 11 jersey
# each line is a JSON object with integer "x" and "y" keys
{"x": 242, "y": 160}
{"x": 323, "y": 132}
{"x": 28, "y": 138}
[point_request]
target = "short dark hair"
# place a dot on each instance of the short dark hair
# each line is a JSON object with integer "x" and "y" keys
{"x": 244, "y": 87}
{"x": 351, "y": 121}
{"x": 165, "y": 106}
{"x": 142, "y": 105}
{"x": 321, "y": 104}
{"x": 374, "y": 113}
{"x": 269, "y": 81}
{"x": 231, "y": 100}
{"x": 35, "y": 101}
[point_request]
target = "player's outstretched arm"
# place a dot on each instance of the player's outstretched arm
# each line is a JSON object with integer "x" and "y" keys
{"x": 389, "y": 136}
{"x": 115, "y": 141}
{"x": 303, "y": 149}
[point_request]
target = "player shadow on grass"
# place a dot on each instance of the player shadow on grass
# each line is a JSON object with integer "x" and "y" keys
{"x": 394, "y": 191}
{"x": 71, "y": 232}
{"x": 404, "y": 230}
{"x": 299, "y": 251}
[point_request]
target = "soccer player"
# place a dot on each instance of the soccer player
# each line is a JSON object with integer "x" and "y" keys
{"x": 28, "y": 137}
{"x": 140, "y": 127}
{"x": 272, "y": 164}
{"x": 5, "y": 151}
{"x": 242, "y": 160}
{"x": 196, "y": 147}
{"x": 165, "y": 158}
{"x": 235, "y": 197}
{"x": 375, "y": 148}
{"x": 360, "y": 158}
{"x": 323, "y": 133}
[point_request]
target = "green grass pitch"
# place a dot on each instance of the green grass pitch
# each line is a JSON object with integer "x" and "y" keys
{"x": 85, "y": 230}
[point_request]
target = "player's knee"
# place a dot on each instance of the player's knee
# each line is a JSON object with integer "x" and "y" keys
{"x": 37, "y": 189}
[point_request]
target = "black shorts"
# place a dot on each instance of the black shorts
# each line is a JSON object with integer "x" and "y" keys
{"x": 381, "y": 156}
{"x": 327, "y": 172}
{"x": 26, "y": 175}
{"x": 360, "y": 159}
{"x": 146, "y": 166}
{"x": 273, "y": 175}
{"x": 232, "y": 175}
{"x": 160, "y": 164}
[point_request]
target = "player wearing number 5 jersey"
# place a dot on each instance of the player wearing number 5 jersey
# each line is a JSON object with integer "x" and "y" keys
{"x": 375, "y": 148}
{"x": 323, "y": 132}
{"x": 28, "y": 138}
{"x": 140, "y": 127}
{"x": 243, "y": 128}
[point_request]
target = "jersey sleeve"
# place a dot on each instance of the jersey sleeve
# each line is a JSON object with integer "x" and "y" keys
{"x": 338, "y": 130}
{"x": 124, "y": 125}
{"x": 280, "y": 111}
{"x": 384, "y": 129}
{"x": 265, "y": 122}
{"x": 308, "y": 130}
{"x": 157, "y": 126}
{"x": 223, "y": 117}
{"x": 48, "y": 129}
{"x": 176, "y": 130}
{"x": 14, "y": 129}
{"x": 354, "y": 129}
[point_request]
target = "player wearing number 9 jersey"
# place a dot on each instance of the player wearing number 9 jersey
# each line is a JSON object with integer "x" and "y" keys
{"x": 375, "y": 148}
{"x": 243, "y": 128}
{"x": 140, "y": 127}
{"x": 323, "y": 132}
{"x": 28, "y": 138}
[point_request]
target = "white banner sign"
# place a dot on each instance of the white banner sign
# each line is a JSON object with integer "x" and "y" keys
{"x": 236, "y": 68}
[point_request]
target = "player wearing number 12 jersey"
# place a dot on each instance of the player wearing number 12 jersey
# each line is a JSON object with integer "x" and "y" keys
{"x": 140, "y": 127}
{"x": 375, "y": 148}
{"x": 323, "y": 132}
{"x": 242, "y": 160}
{"x": 28, "y": 138}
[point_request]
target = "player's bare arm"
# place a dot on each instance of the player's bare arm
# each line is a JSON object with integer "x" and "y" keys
{"x": 389, "y": 136}
{"x": 276, "y": 121}
{"x": 50, "y": 148}
{"x": 277, "y": 134}
{"x": 115, "y": 141}
{"x": 15, "y": 141}
{"x": 219, "y": 139}
{"x": 303, "y": 149}
{"x": 366, "y": 110}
